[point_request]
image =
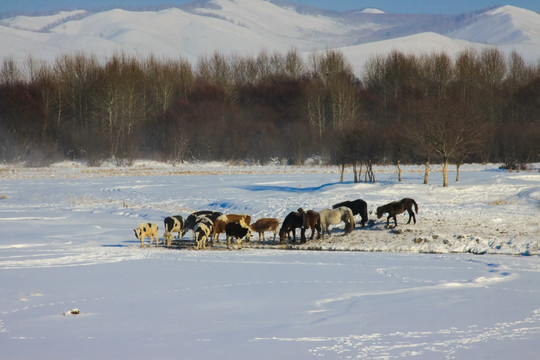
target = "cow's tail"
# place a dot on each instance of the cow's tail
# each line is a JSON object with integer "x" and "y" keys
{"x": 305, "y": 223}
{"x": 351, "y": 221}
{"x": 321, "y": 222}
{"x": 364, "y": 214}
{"x": 415, "y": 206}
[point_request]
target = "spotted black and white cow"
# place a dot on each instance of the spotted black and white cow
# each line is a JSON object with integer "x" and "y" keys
{"x": 201, "y": 231}
{"x": 145, "y": 230}
{"x": 175, "y": 223}
{"x": 238, "y": 231}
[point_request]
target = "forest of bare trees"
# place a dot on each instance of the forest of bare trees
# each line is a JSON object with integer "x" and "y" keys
{"x": 478, "y": 106}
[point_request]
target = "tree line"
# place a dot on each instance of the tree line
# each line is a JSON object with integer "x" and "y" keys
{"x": 478, "y": 106}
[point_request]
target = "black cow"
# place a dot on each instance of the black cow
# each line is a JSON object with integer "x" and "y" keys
{"x": 237, "y": 231}
{"x": 192, "y": 218}
{"x": 358, "y": 206}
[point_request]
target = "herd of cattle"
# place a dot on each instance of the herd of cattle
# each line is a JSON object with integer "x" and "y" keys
{"x": 207, "y": 225}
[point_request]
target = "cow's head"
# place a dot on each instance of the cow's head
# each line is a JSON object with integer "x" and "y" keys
{"x": 167, "y": 237}
{"x": 282, "y": 235}
{"x": 200, "y": 235}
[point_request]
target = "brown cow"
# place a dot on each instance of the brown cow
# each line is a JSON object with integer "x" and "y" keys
{"x": 265, "y": 224}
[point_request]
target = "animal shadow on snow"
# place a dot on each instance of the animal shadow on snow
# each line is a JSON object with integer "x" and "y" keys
{"x": 380, "y": 225}
{"x": 184, "y": 244}
{"x": 189, "y": 244}
{"x": 131, "y": 242}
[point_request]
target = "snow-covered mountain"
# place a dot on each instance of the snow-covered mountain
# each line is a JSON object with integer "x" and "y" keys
{"x": 246, "y": 27}
{"x": 502, "y": 26}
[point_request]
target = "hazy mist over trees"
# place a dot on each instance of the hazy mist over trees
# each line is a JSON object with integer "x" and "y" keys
{"x": 480, "y": 106}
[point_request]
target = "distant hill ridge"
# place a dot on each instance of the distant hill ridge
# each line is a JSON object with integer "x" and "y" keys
{"x": 246, "y": 27}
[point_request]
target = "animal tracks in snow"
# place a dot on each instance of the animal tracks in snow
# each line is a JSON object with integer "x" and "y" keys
{"x": 61, "y": 257}
{"x": 324, "y": 304}
{"x": 405, "y": 345}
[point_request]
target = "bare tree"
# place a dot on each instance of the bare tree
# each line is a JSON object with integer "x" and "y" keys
{"x": 45, "y": 79}
{"x": 448, "y": 131}
{"x": 397, "y": 143}
{"x": 492, "y": 74}
{"x": 218, "y": 70}
{"x": 519, "y": 72}
{"x": 76, "y": 75}
{"x": 371, "y": 143}
{"x": 10, "y": 72}
{"x": 316, "y": 108}
{"x": 467, "y": 75}
{"x": 393, "y": 77}
{"x": 436, "y": 74}
{"x": 344, "y": 151}
{"x": 336, "y": 76}
{"x": 121, "y": 106}
{"x": 520, "y": 144}
{"x": 294, "y": 64}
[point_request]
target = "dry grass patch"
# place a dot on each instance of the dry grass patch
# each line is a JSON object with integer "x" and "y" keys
{"x": 502, "y": 202}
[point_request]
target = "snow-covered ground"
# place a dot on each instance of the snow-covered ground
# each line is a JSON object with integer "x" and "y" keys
{"x": 417, "y": 291}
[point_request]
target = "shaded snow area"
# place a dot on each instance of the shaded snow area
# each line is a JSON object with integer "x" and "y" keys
{"x": 75, "y": 284}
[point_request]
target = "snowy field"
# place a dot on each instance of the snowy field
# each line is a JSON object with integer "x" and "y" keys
{"x": 463, "y": 283}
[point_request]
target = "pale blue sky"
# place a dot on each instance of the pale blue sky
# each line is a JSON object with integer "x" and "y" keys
{"x": 394, "y": 6}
